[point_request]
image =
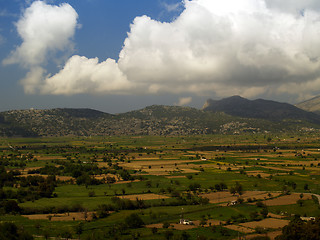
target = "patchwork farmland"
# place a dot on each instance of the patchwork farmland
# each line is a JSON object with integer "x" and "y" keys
{"x": 228, "y": 187}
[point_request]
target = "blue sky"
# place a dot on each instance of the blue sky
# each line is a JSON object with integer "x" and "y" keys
{"x": 103, "y": 28}
{"x": 122, "y": 55}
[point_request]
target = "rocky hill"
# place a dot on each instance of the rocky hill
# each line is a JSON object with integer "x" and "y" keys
{"x": 311, "y": 105}
{"x": 155, "y": 120}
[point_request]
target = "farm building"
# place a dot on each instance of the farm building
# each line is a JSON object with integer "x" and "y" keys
{"x": 186, "y": 222}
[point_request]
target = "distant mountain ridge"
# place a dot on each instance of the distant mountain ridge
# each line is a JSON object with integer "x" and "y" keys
{"x": 260, "y": 108}
{"x": 234, "y": 115}
{"x": 311, "y": 105}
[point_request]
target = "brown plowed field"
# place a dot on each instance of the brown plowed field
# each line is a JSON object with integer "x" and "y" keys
{"x": 222, "y": 197}
{"x": 287, "y": 199}
{"x": 148, "y": 196}
{"x": 61, "y": 217}
{"x": 175, "y": 177}
{"x": 266, "y": 223}
{"x": 240, "y": 228}
{"x": 61, "y": 178}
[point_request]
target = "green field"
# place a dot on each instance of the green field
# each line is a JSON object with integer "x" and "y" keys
{"x": 107, "y": 181}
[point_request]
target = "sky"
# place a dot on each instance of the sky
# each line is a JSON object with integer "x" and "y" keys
{"x": 122, "y": 55}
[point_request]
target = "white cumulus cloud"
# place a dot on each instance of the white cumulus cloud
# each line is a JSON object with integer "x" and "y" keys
{"x": 83, "y": 75}
{"x": 43, "y": 28}
{"x": 246, "y": 47}
{"x": 224, "y": 47}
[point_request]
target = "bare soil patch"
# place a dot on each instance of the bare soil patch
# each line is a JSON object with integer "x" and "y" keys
{"x": 267, "y": 223}
{"x": 183, "y": 227}
{"x": 223, "y": 197}
{"x": 215, "y": 222}
{"x": 240, "y": 228}
{"x": 259, "y": 194}
{"x": 64, "y": 178}
{"x": 256, "y": 173}
{"x": 163, "y": 167}
{"x": 148, "y": 196}
{"x": 104, "y": 176}
{"x": 25, "y": 170}
{"x": 121, "y": 182}
{"x": 225, "y": 167}
{"x": 61, "y": 178}
{"x": 173, "y": 225}
{"x": 77, "y": 216}
{"x": 116, "y": 177}
{"x": 315, "y": 163}
{"x": 287, "y": 199}
{"x": 175, "y": 177}
{"x": 168, "y": 170}
{"x": 218, "y": 197}
{"x": 272, "y": 215}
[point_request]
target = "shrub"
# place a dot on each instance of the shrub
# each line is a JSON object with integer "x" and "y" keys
{"x": 91, "y": 194}
{"x": 154, "y": 230}
{"x": 134, "y": 221}
{"x": 260, "y": 204}
{"x": 260, "y": 230}
{"x": 165, "y": 225}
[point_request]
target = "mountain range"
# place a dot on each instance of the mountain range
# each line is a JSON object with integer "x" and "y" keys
{"x": 233, "y": 115}
{"x": 311, "y": 105}
{"x": 260, "y": 108}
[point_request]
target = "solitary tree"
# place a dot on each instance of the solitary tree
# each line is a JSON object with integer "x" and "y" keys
{"x": 79, "y": 229}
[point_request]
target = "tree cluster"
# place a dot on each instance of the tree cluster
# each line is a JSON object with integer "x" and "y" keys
{"x": 300, "y": 230}
{"x": 9, "y": 231}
